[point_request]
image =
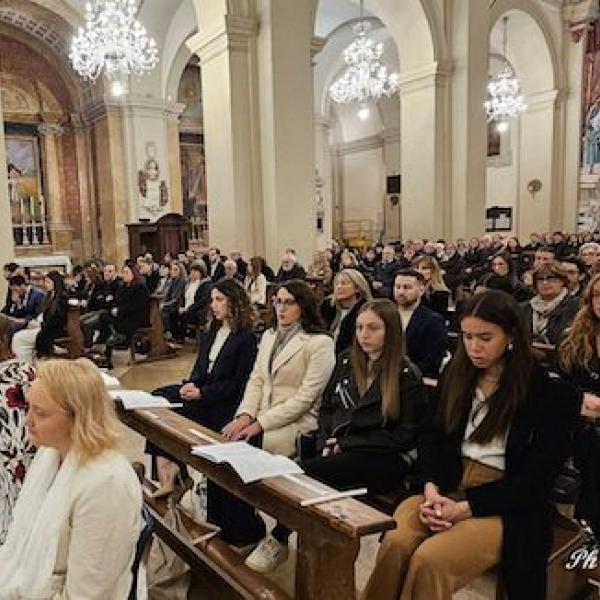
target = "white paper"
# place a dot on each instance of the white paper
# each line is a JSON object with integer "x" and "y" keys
{"x": 112, "y": 383}
{"x": 138, "y": 399}
{"x": 250, "y": 463}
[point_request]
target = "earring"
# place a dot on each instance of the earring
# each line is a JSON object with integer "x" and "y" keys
{"x": 510, "y": 347}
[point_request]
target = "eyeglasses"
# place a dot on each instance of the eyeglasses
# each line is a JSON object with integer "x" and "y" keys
{"x": 278, "y": 303}
{"x": 546, "y": 279}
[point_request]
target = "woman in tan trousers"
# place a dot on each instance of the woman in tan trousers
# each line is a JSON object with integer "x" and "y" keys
{"x": 499, "y": 433}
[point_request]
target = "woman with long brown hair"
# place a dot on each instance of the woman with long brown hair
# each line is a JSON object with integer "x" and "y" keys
{"x": 372, "y": 410}
{"x": 579, "y": 362}
{"x": 499, "y": 434}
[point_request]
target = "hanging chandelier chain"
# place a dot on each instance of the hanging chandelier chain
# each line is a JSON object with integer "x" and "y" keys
{"x": 505, "y": 99}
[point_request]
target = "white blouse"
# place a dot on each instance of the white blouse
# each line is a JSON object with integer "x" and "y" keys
{"x": 490, "y": 454}
{"x": 220, "y": 338}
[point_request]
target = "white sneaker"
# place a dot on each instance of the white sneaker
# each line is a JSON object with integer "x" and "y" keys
{"x": 268, "y": 555}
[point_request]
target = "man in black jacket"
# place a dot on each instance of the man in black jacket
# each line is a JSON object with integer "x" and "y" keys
{"x": 385, "y": 271}
{"x": 425, "y": 332}
{"x": 290, "y": 269}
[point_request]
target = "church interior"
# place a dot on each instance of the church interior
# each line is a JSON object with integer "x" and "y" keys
{"x": 220, "y": 132}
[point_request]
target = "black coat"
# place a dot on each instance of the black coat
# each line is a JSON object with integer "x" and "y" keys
{"x": 357, "y": 422}
{"x": 454, "y": 270}
{"x": 437, "y": 300}
{"x": 222, "y": 389}
{"x": 107, "y": 293}
{"x": 198, "y": 310}
{"x": 53, "y": 324}
{"x": 385, "y": 274}
{"x": 558, "y": 321}
{"x": 219, "y": 271}
{"x": 133, "y": 309}
{"x": 426, "y": 340}
{"x": 296, "y": 272}
{"x": 538, "y": 444}
{"x": 347, "y": 327}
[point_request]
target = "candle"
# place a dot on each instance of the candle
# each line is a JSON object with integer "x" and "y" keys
{"x": 32, "y": 209}
{"x": 22, "y": 210}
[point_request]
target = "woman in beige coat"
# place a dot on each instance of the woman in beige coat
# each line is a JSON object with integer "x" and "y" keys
{"x": 293, "y": 366}
{"x": 294, "y": 363}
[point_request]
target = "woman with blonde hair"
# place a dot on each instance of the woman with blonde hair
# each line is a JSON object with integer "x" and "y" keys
{"x": 339, "y": 311}
{"x": 437, "y": 293}
{"x": 78, "y": 517}
{"x": 579, "y": 363}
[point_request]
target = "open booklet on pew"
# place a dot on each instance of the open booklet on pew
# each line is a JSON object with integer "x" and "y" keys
{"x": 250, "y": 463}
{"x": 133, "y": 399}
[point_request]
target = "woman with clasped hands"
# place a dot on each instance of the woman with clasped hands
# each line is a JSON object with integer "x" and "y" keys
{"x": 497, "y": 439}
{"x": 282, "y": 398}
{"x": 78, "y": 517}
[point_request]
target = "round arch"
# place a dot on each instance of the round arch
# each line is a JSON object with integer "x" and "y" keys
{"x": 502, "y": 7}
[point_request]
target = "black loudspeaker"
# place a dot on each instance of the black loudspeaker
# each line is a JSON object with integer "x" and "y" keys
{"x": 394, "y": 184}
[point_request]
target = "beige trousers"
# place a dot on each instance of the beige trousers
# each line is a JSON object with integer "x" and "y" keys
{"x": 414, "y": 564}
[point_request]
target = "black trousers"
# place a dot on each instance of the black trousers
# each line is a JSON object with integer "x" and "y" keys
{"x": 379, "y": 473}
{"x": 586, "y": 457}
{"x": 238, "y": 520}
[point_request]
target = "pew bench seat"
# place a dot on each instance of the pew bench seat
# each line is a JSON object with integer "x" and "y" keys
{"x": 208, "y": 553}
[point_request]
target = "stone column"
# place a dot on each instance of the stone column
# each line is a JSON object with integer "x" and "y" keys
{"x": 469, "y": 130}
{"x": 61, "y": 233}
{"x": 226, "y": 47}
{"x": 174, "y": 156}
{"x": 111, "y": 181}
{"x": 286, "y": 126}
{"x": 324, "y": 175}
{"x": 425, "y": 174}
{"x": 536, "y": 143}
{"x": 83, "y": 177}
{"x": 7, "y": 250}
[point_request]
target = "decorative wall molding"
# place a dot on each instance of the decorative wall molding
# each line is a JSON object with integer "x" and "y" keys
{"x": 435, "y": 74}
{"x": 232, "y": 36}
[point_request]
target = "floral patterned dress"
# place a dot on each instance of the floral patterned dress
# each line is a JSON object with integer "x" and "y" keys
{"x": 16, "y": 451}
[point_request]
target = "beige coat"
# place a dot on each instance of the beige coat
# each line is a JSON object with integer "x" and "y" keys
{"x": 97, "y": 545}
{"x": 286, "y": 401}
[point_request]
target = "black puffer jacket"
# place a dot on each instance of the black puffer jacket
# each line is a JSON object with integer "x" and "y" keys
{"x": 357, "y": 422}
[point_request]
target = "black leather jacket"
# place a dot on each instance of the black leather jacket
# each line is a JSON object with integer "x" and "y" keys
{"x": 357, "y": 422}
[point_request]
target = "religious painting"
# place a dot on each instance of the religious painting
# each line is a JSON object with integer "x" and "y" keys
{"x": 22, "y": 159}
{"x": 590, "y": 150}
{"x": 193, "y": 180}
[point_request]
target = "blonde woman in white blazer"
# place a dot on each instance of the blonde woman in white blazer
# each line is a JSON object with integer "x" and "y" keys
{"x": 293, "y": 366}
{"x": 78, "y": 517}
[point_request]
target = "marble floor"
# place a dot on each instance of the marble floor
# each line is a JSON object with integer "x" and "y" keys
{"x": 152, "y": 375}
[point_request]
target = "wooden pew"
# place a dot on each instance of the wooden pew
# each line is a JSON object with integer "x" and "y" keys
{"x": 73, "y": 341}
{"x": 159, "y": 349}
{"x": 328, "y": 534}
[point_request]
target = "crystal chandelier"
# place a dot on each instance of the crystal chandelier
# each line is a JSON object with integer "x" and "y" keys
{"x": 504, "y": 92}
{"x": 365, "y": 78}
{"x": 114, "y": 42}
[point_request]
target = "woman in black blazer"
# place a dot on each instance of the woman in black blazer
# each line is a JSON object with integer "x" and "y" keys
{"x": 211, "y": 395}
{"x": 500, "y": 431}
{"x": 54, "y": 322}
{"x": 132, "y": 311}
{"x": 339, "y": 311}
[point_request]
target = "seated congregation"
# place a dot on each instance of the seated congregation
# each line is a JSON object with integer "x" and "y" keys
{"x": 407, "y": 368}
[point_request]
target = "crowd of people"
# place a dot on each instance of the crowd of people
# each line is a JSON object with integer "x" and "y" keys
{"x": 416, "y": 370}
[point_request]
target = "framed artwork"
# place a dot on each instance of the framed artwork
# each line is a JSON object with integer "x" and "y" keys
{"x": 23, "y": 162}
{"x": 193, "y": 178}
{"x": 498, "y": 218}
